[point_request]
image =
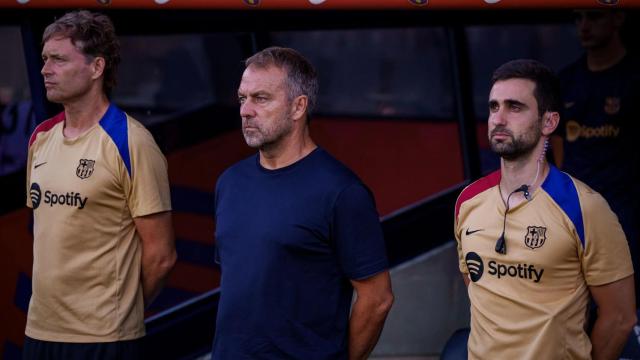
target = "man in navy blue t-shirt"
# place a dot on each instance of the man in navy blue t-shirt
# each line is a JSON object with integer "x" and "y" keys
{"x": 296, "y": 232}
{"x": 599, "y": 127}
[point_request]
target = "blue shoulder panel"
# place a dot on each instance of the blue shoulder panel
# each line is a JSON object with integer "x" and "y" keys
{"x": 563, "y": 191}
{"x": 114, "y": 123}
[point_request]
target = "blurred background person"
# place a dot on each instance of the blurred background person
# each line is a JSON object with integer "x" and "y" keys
{"x": 599, "y": 119}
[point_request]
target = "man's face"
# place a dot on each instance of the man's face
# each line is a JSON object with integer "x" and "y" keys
{"x": 595, "y": 27}
{"x": 265, "y": 108}
{"x": 514, "y": 123}
{"x": 67, "y": 72}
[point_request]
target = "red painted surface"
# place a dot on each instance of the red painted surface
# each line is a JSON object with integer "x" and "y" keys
{"x": 401, "y": 161}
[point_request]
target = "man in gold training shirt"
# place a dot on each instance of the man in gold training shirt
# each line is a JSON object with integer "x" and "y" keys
{"x": 98, "y": 187}
{"x": 534, "y": 243}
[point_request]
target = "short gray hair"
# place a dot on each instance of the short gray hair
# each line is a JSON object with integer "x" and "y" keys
{"x": 302, "y": 78}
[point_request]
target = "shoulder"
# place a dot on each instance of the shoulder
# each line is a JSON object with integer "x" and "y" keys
{"x": 129, "y": 137}
{"x": 568, "y": 191}
{"x": 629, "y": 68}
{"x": 630, "y": 61}
{"x": 578, "y": 66}
{"x": 45, "y": 127}
{"x": 569, "y": 195}
{"x": 140, "y": 140}
{"x": 477, "y": 187}
{"x": 136, "y": 130}
{"x": 592, "y": 202}
{"x": 124, "y": 129}
{"x": 330, "y": 170}
{"x": 239, "y": 169}
{"x": 574, "y": 74}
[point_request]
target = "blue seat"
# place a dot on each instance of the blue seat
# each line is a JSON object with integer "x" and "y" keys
{"x": 456, "y": 346}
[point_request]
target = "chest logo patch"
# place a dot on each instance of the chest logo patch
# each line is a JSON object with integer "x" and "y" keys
{"x": 536, "y": 236}
{"x": 35, "y": 195}
{"x": 612, "y": 105}
{"x": 474, "y": 265}
{"x": 85, "y": 168}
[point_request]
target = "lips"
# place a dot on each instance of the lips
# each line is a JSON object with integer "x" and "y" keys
{"x": 500, "y": 134}
{"x": 249, "y": 126}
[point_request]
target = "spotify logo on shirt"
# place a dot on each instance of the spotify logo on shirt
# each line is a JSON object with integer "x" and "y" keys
{"x": 475, "y": 266}
{"x": 72, "y": 199}
{"x": 501, "y": 271}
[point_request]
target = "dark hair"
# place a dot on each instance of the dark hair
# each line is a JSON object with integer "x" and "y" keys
{"x": 547, "y": 90}
{"x": 302, "y": 78}
{"x": 94, "y": 35}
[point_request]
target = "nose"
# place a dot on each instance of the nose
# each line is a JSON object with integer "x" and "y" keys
{"x": 46, "y": 69}
{"x": 583, "y": 25}
{"x": 246, "y": 109}
{"x": 498, "y": 117}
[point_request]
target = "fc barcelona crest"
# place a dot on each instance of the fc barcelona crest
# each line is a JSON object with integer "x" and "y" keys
{"x": 612, "y": 105}
{"x": 85, "y": 168}
{"x": 536, "y": 236}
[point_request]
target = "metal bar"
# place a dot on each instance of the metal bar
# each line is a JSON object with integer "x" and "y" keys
{"x": 458, "y": 51}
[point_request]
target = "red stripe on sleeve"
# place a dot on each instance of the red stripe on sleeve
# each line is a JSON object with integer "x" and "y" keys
{"x": 46, "y": 126}
{"x": 477, "y": 187}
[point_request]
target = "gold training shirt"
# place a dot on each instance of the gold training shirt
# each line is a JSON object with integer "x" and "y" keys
{"x": 85, "y": 193}
{"x": 531, "y": 303}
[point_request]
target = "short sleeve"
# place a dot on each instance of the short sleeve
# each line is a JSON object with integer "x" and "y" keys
{"x": 148, "y": 191}
{"x": 28, "y": 185}
{"x": 462, "y": 265}
{"x": 606, "y": 256}
{"x": 357, "y": 233}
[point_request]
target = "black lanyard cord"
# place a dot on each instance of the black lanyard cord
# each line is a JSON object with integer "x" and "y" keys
{"x": 501, "y": 244}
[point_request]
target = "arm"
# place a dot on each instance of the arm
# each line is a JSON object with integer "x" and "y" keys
{"x": 369, "y": 311}
{"x": 616, "y": 317}
{"x": 158, "y": 252}
{"x": 465, "y": 278}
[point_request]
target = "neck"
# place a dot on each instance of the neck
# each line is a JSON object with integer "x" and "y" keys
{"x": 83, "y": 113}
{"x": 515, "y": 174}
{"x": 602, "y": 58}
{"x": 288, "y": 150}
{"x": 530, "y": 170}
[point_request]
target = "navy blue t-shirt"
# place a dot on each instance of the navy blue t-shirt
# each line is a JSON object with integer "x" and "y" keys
{"x": 600, "y": 124}
{"x": 288, "y": 242}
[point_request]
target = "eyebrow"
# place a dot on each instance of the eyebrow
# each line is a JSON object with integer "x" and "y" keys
{"x": 51, "y": 55}
{"x": 509, "y": 102}
{"x": 254, "y": 94}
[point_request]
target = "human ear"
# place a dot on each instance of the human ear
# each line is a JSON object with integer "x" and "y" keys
{"x": 299, "y": 107}
{"x": 97, "y": 66}
{"x": 550, "y": 121}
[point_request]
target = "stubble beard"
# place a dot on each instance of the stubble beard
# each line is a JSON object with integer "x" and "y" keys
{"x": 262, "y": 137}
{"x": 516, "y": 147}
